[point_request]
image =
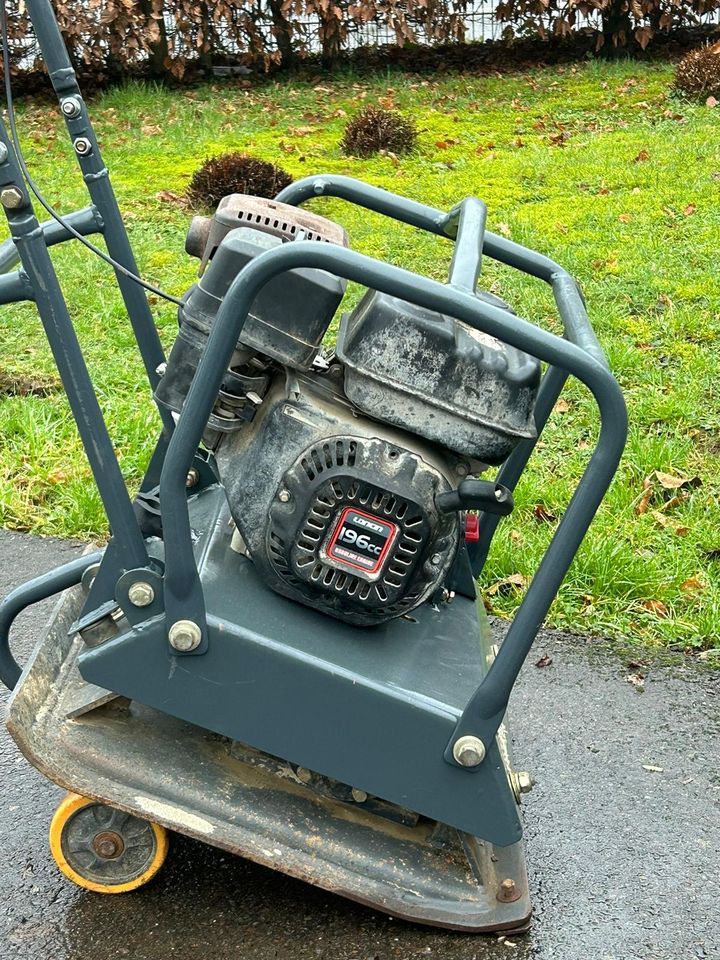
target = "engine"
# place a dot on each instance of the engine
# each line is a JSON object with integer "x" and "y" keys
{"x": 347, "y": 473}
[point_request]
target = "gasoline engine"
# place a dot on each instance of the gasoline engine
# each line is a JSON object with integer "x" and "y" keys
{"x": 348, "y": 473}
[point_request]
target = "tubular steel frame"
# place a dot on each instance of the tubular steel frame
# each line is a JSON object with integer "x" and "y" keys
{"x": 578, "y": 354}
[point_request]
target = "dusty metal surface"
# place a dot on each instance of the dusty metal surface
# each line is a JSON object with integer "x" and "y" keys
{"x": 623, "y": 860}
{"x": 192, "y": 781}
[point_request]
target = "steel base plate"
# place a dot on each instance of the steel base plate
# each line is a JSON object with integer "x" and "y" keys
{"x": 198, "y": 783}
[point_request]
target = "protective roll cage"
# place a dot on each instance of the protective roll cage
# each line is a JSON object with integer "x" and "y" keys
{"x": 180, "y": 592}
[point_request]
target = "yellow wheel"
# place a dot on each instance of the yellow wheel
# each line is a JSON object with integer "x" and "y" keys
{"x": 103, "y": 849}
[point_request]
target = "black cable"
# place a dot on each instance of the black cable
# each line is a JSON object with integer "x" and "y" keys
{"x": 36, "y": 190}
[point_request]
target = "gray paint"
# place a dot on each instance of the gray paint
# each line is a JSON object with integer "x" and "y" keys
{"x": 623, "y": 862}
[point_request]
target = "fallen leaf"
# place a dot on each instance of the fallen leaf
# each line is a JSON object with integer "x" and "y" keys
{"x": 637, "y": 680}
{"x": 516, "y": 581}
{"x": 651, "y": 768}
{"x": 562, "y": 406}
{"x": 544, "y": 661}
{"x": 541, "y": 513}
{"x": 167, "y": 196}
{"x": 711, "y": 102}
{"x": 689, "y": 210}
{"x": 691, "y": 585}
{"x": 642, "y": 156}
{"x": 504, "y": 229}
{"x": 657, "y": 607}
{"x": 644, "y": 502}
{"x": 624, "y": 218}
{"x": 670, "y": 482}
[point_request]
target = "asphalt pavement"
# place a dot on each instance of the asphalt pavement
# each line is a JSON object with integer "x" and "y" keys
{"x": 623, "y": 832}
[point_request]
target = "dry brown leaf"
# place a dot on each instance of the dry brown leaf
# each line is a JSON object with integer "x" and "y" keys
{"x": 668, "y": 523}
{"x": 692, "y": 585}
{"x": 637, "y": 680}
{"x": 644, "y": 502}
{"x": 562, "y": 406}
{"x": 624, "y": 218}
{"x": 516, "y": 581}
{"x": 656, "y": 607}
{"x": 689, "y": 210}
{"x": 541, "y": 513}
{"x": 544, "y": 661}
{"x": 670, "y": 482}
{"x": 642, "y": 156}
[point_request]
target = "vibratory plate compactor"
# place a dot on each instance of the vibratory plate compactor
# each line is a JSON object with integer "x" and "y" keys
{"x": 282, "y": 651}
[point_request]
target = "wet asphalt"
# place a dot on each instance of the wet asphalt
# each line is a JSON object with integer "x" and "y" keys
{"x": 624, "y": 861}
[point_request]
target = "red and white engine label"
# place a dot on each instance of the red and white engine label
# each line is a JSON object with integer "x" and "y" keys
{"x": 361, "y": 540}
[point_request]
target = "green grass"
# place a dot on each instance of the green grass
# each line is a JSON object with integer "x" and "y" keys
{"x": 598, "y": 166}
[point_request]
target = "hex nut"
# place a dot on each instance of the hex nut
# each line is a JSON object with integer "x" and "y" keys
{"x": 83, "y": 147}
{"x": 524, "y": 780}
{"x": 284, "y": 496}
{"x": 71, "y": 107}
{"x": 469, "y": 751}
{"x": 141, "y": 594}
{"x": 185, "y": 636}
{"x": 12, "y": 198}
{"x": 508, "y": 892}
{"x": 192, "y": 479}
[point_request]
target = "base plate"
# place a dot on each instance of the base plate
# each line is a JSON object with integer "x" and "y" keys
{"x": 200, "y": 784}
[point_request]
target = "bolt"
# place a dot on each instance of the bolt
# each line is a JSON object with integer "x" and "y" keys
{"x": 83, "y": 147}
{"x": 71, "y": 107}
{"x": 141, "y": 594}
{"x": 284, "y": 496}
{"x": 191, "y": 480}
{"x": 184, "y": 635}
{"x": 435, "y": 559}
{"x": 3, "y": 153}
{"x": 108, "y": 845}
{"x": 524, "y": 781}
{"x": 469, "y": 751}
{"x": 12, "y": 198}
{"x": 160, "y": 369}
{"x": 508, "y": 891}
{"x": 461, "y": 469}
{"x": 359, "y": 796}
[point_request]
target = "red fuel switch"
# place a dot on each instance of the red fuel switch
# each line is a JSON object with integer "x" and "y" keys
{"x": 472, "y": 527}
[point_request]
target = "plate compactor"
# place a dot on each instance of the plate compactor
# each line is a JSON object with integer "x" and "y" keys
{"x": 282, "y": 651}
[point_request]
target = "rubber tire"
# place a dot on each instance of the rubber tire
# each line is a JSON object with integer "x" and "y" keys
{"x": 69, "y": 806}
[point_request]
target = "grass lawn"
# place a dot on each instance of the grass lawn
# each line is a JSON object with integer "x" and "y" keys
{"x": 598, "y": 166}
